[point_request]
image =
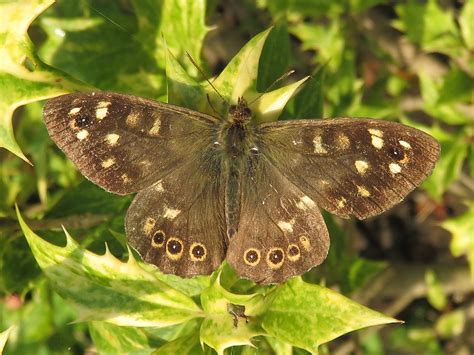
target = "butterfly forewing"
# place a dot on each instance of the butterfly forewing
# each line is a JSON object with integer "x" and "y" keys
{"x": 281, "y": 231}
{"x": 125, "y": 143}
{"x": 348, "y": 167}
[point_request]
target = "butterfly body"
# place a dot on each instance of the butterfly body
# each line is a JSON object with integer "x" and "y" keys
{"x": 211, "y": 189}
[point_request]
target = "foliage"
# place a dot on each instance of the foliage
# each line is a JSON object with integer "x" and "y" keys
{"x": 415, "y": 64}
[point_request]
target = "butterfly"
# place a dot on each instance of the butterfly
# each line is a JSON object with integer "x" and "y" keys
{"x": 211, "y": 189}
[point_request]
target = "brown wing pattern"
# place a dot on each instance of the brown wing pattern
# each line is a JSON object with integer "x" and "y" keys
{"x": 178, "y": 224}
{"x": 125, "y": 143}
{"x": 281, "y": 231}
{"x": 354, "y": 167}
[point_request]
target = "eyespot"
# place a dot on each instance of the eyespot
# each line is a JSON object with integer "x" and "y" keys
{"x": 252, "y": 256}
{"x": 158, "y": 239}
{"x": 197, "y": 252}
{"x": 247, "y": 111}
{"x": 174, "y": 248}
{"x": 232, "y": 109}
{"x": 396, "y": 153}
{"x": 254, "y": 150}
{"x": 293, "y": 252}
{"x": 82, "y": 120}
{"x": 275, "y": 258}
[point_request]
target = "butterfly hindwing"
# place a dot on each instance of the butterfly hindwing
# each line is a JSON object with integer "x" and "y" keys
{"x": 281, "y": 232}
{"x": 125, "y": 143}
{"x": 357, "y": 167}
{"x": 178, "y": 224}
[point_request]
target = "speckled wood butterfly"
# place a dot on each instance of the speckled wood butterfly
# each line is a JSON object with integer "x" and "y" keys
{"x": 213, "y": 188}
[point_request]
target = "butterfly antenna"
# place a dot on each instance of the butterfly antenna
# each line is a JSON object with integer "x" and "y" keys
{"x": 108, "y": 18}
{"x": 284, "y": 76}
{"x": 204, "y": 76}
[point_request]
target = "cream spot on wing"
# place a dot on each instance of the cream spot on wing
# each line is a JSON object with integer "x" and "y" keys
{"x": 82, "y": 134}
{"x": 318, "y": 145}
{"x": 343, "y": 141}
{"x": 361, "y": 166}
{"x": 101, "y": 113}
{"x": 133, "y": 119}
{"x": 125, "y": 178}
{"x": 375, "y": 132}
{"x": 405, "y": 144}
{"x": 148, "y": 226}
{"x": 102, "y": 109}
{"x": 395, "y": 168}
{"x": 304, "y": 240}
{"x": 377, "y": 136}
{"x": 112, "y": 138}
{"x": 108, "y": 163}
{"x": 362, "y": 191}
{"x": 159, "y": 186}
{"x": 286, "y": 226}
{"x": 75, "y": 110}
{"x": 171, "y": 213}
{"x": 155, "y": 129}
{"x": 377, "y": 142}
{"x": 145, "y": 163}
{"x": 341, "y": 203}
{"x": 304, "y": 203}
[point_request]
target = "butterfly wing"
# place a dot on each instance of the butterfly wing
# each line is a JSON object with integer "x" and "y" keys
{"x": 349, "y": 167}
{"x": 125, "y": 143}
{"x": 178, "y": 224}
{"x": 281, "y": 231}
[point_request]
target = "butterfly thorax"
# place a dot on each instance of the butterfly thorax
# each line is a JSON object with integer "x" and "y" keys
{"x": 237, "y": 141}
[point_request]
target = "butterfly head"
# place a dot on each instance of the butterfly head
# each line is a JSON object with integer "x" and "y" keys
{"x": 240, "y": 114}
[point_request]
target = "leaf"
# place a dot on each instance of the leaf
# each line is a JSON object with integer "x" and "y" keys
{"x": 4, "y": 337}
{"x": 467, "y": 24}
{"x": 104, "y": 288}
{"x": 307, "y": 315}
{"x": 308, "y": 102}
{"x": 451, "y": 324}
{"x": 187, "y": 345}
{"x": 430, "y": 26}
{"x": 272, "y": 66}
{"x": 183, "y": 90}
{"x": 462, "y": 230}
{"x": 269, "y": 106}
{"x": 436, "y": 295}
{"x": 219, "y": 330}
{"x": 23, "y": 77}
{"x": 111, "y": 338}
{"x": 240, "y": 75}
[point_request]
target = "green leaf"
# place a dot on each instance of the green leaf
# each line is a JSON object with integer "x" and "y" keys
{"x": 269, "y": 106}
{"x": 187, "y": 345}
{"x": 4, "y": 337}
{"x": 113, "y": 339}
{"x": 308, "y": 103}
{"x": 467, "y": 24}
{"x": 272, "y": 66}
{"x": 23, "y": 77}
{"x": 183, "y": 90}
{"x": 218, "y": 329}
{"x": 104, "y": 288}
{"x": 462, "y": 230}
{"x": 451, "y": 324}
{"x": 240, "y": 75}
{"x": 436, "y": 295}
{"x": 307, "y": 315}
{"x": 430, "y": 26}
